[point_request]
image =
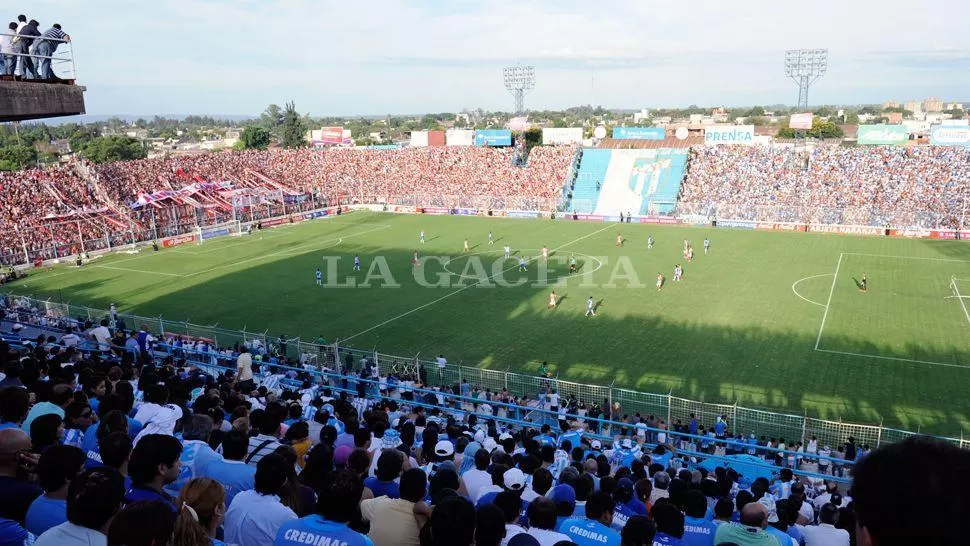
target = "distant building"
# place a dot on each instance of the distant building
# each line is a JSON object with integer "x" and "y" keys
{"x": 933, "y": 104}
{"x": 913, "y": 106}
{"x": 894, "y": 117}
{"x": 642, "y": 115}
{"x": 890, "y": 104}
{"x": 954, "y": 106}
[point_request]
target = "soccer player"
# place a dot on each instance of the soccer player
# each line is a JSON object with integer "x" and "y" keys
{"x": 422, "y": 236}
{"x": 522, "y": 266}
{"x": 619, "y": 240}
{"x": 707, "y": 245}
{"x": 545, "y": 253}
{"x": 690, "y": 254}
{"x": 649, "y": 242}
{"x": 864, "y": 284}
{"x": 660, "y": 281}
{"x": 552, "y": 300}
{"x": 414, "y": 260}
{"x": 572, "y": 263}
{"x": 319, "y": 277}
{"x": 466, "y": 249}
{"x": 590, "y": 307}
{"x": 508, "y": 252}
{"x": 491, "y": 241}
{"x": 356, "y": 262}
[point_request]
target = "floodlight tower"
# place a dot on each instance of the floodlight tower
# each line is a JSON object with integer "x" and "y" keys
{"x": 519, "y": 80}
{"x": 805, "y": 67}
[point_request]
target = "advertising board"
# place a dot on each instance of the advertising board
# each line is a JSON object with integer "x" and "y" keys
{"x": 666, "y": 220}
{"x": 882, "y": 135}
{"x": 332, "y": 135}
{"x": 729, "y": 134}
{"x": 419, "y": 139}
{"x": 552, "y": 136}
{"x": 941, "y": 135}
{"x": 743, "y": 224}
{"x": 459, "y": 137}
{"x": 800, "y": 121}
{"x": 639, "y": 133}
{"x": 436, "y": 138}
{"x": 177, "y": 240}
{"x": 845, "y": 230}
{"x": 493, "y": 137}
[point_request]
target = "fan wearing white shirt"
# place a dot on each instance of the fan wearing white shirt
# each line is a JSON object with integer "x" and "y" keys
{"x": 825, "y": 533}
{"x": 156, "y": 414}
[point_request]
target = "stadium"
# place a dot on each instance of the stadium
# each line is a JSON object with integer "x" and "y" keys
{"x": 757, "y": 311}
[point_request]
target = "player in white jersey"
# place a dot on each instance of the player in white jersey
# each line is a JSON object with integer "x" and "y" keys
{"x": 319, "y": 277}
{"x": 422, "y": 236}
{"x": 491, "y": 240}
{"x": 545, "y": 253}
{"x": 466, "y": 249}
{"x": 619, "y": 240}
{"x": 707, "y": 245}
{"x": 590, "y": 307}
{"x": 660, "y": 282}
{"x": 552, "y": 300}
{"x": 649, "y": 242}
{"x": 522, "y": 266}
{"x": 356, "y": 262}
{"x": 508, "y": 252}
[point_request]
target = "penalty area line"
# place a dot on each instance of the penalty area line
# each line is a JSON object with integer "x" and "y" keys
{"x": 796, "y": 283}
{"x": 895, "y": 359}
{"x": 462, "y": 289}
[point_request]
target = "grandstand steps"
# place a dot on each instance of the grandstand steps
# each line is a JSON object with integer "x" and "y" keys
{"x": 589, "y": 179}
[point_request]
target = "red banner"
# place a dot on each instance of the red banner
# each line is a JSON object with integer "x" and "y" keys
{"x": 177, "y": 240}
{"x": 657, "y": 220}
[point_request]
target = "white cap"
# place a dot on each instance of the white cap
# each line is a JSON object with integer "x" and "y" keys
{"x": 489, "y": 445}
{"x": 595, "y": 444}
{"x": 444, "y": 448}
{"x": 504, "y": 436}
{"x": 514, "y": 479}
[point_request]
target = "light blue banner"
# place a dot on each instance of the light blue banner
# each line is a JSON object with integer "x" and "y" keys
{"x": 493, "y": 137}
{"x": 639, "y": 133}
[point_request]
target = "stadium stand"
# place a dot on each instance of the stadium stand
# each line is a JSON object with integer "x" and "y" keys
{"x": 589, "y": 179}
{"x": 325, "y": 455}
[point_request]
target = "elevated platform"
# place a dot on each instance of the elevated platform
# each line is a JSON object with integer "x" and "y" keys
{"x": 25, "y": 100}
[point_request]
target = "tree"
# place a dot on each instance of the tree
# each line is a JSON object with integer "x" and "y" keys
{"x": 272, "y": 120}
{"x": 113, "y": 148}
{"x": 532, "y": 136}
{"x": 254, "y": 138}
{"x": 293, "y": 130}
{"x": 16, "y": 157}
{"x": 820, "y": 129}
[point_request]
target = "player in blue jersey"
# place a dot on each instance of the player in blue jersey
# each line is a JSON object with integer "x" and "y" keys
{"x": 594, "y": 529}
{"x": 356, "y": 262}
{"x": 319, "y": 276}
{"x": 707, "y": 244}
{"x": 337, "y": 508}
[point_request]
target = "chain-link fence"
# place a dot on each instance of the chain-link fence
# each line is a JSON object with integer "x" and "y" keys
{"x": 615, "y": 402}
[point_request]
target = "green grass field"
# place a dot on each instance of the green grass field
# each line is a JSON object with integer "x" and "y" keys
{"x": 767, "y": 319}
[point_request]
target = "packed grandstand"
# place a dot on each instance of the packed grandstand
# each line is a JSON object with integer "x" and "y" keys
{"x": 60, "y": 211}
{"x": 243, "y": 445}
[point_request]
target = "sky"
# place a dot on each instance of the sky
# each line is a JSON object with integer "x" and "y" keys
{"x": 375, "y": 57}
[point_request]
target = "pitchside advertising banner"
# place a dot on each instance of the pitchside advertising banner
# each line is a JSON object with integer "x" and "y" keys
{"x": 729, "y": 134}
{"x": 493, "y": 137}
{"x": 639, "y": 133}
{"x": 562, "y": 135}
{"x": 883, "y": 135}
{"x": 949, "y": 136}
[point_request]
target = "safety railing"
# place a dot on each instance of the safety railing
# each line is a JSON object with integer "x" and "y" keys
{"x": 610, "y": 399}
{"x": 29, "y": 63}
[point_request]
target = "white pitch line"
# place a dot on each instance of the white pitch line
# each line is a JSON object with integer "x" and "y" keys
{"x": 462, "y": 289}
{"x": 805, "y": 279}
{"x": 282, "y": 253}
{"x": 962, "y": 303}
{"x": 905, "y": 257}
{"x": 896, "y": 359}
{"x": 835, "y": 277}
{"x": 139, "y": 271}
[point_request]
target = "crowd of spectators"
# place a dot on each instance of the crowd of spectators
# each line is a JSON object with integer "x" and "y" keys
{"x": 130, "y": 448}
{"x": 927, "y": 187}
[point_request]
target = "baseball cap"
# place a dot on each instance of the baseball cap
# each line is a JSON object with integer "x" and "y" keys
{"x": 444, "y": 448}
{"x": 595, "y": 444}
{"x": 391, "y": 439}
{"x": 514, "y": 479}
{"x": 563, "y": 493}
{"x": 489, "y": 445}
{"x": 341, "y": 454}
{"x": 504, "y": 436}
{"x": 625, "y": 483}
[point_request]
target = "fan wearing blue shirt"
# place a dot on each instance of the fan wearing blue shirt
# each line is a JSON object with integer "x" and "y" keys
{"x": 110, "y": 403}
{"x": 232, "y": 471}
{"x": 670, "y": 524}
{"x": 337, "y": 508}
{"x": 55, "y": 470}
{"x": 622, "y": 496}
{"x": 155, "y": 463}
{"x": 698, "y": 531}
{"x": 389, "y": 467}
{"x": 594, "y": 529}
{"x": 196, "y": 453}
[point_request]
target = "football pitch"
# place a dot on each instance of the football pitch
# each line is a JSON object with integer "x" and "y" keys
{"x": 766, "y": 319}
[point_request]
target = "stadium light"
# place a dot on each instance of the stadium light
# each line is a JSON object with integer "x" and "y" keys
{"x": 519, "y": 80}
{"x": 805, "y": 67}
